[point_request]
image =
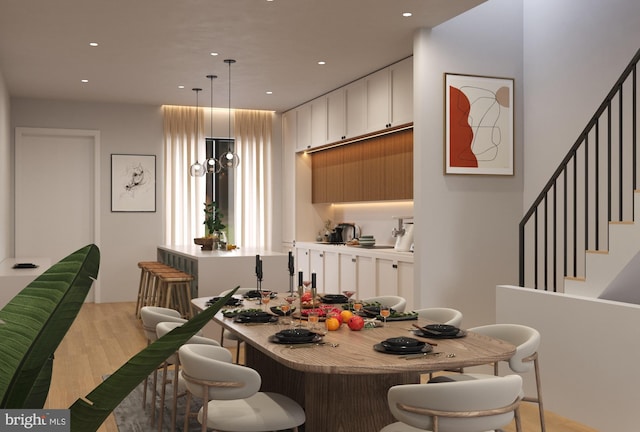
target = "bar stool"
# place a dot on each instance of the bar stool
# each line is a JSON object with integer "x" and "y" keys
{"x": 146, "y": 287}
{"x": 174, "y": 291}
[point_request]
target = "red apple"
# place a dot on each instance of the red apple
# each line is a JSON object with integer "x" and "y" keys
{"x": 356, "y": 322}
{"x": 306, "y": 297}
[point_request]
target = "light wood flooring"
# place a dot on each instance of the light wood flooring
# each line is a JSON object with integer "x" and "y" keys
{"x": 104, "y": 336}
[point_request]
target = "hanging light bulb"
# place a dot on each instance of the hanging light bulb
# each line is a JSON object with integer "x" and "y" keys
{"x": 212, "y": 165}
{"x": 229, "y": 159}
{"x": 197, "y": 169}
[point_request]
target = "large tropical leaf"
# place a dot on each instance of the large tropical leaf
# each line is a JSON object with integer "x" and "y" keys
{"x": 34, "y": 322}
{"x": 88, "y": 414}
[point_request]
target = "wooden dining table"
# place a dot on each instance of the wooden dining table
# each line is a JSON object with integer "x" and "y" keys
{"x": 342, "y": 384}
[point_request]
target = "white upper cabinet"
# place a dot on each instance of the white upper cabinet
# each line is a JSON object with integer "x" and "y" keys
{"x": 303, "y": 140}
{"x": 401, "y": 92}
{"x": 337, "y": 115}
{"x": 390, "y": 96}
{"x": 376, "y": 102}
{"x": 318, "y": 122}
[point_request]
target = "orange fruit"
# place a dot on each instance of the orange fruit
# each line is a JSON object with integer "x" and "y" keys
{"x": 346, "y": 314}
{"x": 332, "y": 324}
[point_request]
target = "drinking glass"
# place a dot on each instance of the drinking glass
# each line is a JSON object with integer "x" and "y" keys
{"x": 313, "y": 317}
{"x": 348, "y": 295}
{"x": 266, "y": 297}
{"x": 384, "y": 313}
{"x": 357, "y": 306}
{"x": 285, "y": 308}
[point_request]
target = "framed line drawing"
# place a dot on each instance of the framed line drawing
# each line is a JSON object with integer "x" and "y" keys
{"x": 133, "y": 183}
{"x": 478, "y": 125}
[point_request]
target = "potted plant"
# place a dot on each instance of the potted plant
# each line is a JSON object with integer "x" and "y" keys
{"x": 213, "y": 227}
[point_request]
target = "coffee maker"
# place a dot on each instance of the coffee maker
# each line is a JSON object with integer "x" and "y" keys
{"x": 403, "y": 234}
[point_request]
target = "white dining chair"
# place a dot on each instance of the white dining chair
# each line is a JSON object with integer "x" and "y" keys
{"x": 396, "y": 303}
{"x": 476, "y": 405}
{"x": 441, "y": 315}
{"x": 178, "y": 388}
{"x": 230, "y": 392}
{"x": 151, "y": 316}
{"x": 527, "y": 341}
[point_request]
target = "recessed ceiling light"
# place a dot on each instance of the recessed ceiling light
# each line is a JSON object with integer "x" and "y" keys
{"x": 406, "y": 14}
{"x": 321, "y": 62}
{"x": 180, "y": 86}
{"x": 214, "y": 53}
{"x": 93, "y": 44}
{"x": 269, "y": 91}
{"x": 85, "y": 80}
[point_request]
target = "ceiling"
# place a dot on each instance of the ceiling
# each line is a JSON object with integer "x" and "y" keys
{"x": 147, "y": 48}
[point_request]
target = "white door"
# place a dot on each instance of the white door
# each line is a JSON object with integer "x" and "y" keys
{"x": 57, "y": 195}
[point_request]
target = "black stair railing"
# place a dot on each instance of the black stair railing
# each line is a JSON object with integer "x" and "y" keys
{"x": 592, "y": 186}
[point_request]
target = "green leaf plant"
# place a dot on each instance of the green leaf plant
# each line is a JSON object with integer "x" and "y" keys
{"x": 34, "y": 322}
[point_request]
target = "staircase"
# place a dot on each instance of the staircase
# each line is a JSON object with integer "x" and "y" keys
{"x": 579, "y": 236}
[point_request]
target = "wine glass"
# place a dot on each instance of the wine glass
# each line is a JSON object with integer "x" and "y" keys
{"x": 348, "y": 294}
{"x": 313, "y": 317}
{"x": 285, "y": 308}
{"x": 266, "y": 297}
{"x": 357, "y": 306}
{"x": 384, "y": 313}
{"x": 290, "y": 299}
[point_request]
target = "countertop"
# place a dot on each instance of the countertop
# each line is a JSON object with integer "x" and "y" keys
{"x": 376, "y": 252}
{"x": 194, "y": 251}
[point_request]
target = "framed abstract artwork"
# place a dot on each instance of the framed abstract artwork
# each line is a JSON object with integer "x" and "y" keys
{"x": 478, "y": 125}
{"x": 133, "y": 183}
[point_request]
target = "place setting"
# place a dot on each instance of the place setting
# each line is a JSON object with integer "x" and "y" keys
{"x": 403, "y": 345}
{"x": 438, "y": 331}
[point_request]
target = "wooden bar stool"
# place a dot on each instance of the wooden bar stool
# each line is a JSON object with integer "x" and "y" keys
{"x": 145, "y": 294}
{"x": 174, "y": 291}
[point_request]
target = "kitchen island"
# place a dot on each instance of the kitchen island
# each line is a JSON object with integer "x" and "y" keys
{"x": 219, "y": 270}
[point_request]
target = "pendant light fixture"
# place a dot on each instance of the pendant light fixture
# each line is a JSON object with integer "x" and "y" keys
{"x": 211, "y": 164}
{"x": 229, "y": 159}
{"x": 197, "y": 169}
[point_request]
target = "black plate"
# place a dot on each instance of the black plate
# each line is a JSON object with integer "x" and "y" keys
{"x": 403, "y": 341}
{"x": 257, "y": 317}
{"x": 443, "y": 329}
{"x": 255, "y": 294}
{"x": 276, "y": 310}
{"x": 295, "y": 333}
{"x": 427, "y": 334}
{"x": 403, "y": 348}
{"x": 275, "y": 339}
{"x": 334, "y": 299}
{"x": 380, "y": 348}
{"x": 232, "y": 301}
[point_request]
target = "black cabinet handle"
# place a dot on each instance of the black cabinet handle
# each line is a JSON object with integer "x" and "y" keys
{"x": 395, "y": 266}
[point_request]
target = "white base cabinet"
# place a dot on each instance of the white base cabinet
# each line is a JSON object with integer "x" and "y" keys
{"x": 368, "y": 272}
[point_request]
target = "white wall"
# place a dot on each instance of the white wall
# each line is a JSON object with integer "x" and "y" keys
{"x": 574, "y": 51}
{"x": 6, "y": 175}
{"x": 466, "y": 225}
{"x": 588, "y": 355}
{"x": 126, "y": 238}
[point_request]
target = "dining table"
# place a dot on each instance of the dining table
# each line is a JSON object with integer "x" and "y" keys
{"x": 342, "y": 382}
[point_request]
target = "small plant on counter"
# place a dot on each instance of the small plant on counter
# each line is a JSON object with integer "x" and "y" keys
{"x": 212, "y": 219}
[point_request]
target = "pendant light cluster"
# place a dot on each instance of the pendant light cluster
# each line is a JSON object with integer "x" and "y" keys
{"x": 229, "y": 159}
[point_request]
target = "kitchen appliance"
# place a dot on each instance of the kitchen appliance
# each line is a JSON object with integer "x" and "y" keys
{"x": 348, "y": 231}
{"x": 403, "y": 234}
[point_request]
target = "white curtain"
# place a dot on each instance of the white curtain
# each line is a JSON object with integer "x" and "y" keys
{"x": 253, "y": 183}
{"x": 184, "y": 195}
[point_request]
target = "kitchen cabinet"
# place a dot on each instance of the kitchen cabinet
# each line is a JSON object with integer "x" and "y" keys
{"x": 337, "y": 115}
{"x": 380, "y": 168}
{"x": 303, "y": 127}
{"x": 390, "y": 96}
{"x": 318, "y": 122}
{"x": 369, "y": 272}
{"x": 302, "y": 261}
{"x": 289, "y": 183}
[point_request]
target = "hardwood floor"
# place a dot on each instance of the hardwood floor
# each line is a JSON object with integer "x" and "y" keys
{"x": 104, "y": 336}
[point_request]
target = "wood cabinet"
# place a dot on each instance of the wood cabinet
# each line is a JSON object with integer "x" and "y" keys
{"x": 376, "y": 169}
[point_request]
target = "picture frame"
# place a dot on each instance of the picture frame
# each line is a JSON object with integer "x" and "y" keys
{"x": 479, "y": 124}
{"x": 133, "y": 183}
